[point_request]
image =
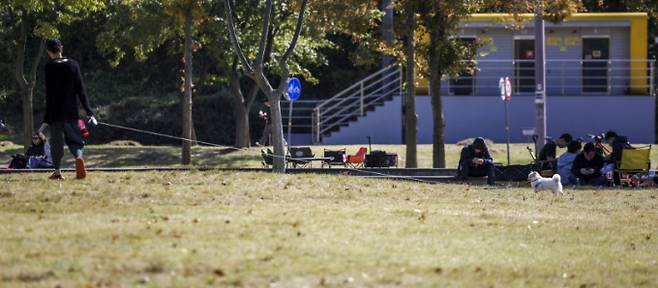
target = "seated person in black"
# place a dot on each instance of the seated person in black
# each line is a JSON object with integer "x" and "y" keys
{"x": 618, "y": 144}
{"x": 587, "y": 167}
{"x": 549, "y": 151}
{"x": 475, "y": 161}
{"x": 548, "y": 154}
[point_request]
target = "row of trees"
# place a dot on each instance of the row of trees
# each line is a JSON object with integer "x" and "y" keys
{"x": 256, "y": 44}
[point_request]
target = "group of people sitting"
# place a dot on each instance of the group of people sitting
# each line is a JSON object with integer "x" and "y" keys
{"x": 586, "y": 165}
{"x": 579, "y": 165}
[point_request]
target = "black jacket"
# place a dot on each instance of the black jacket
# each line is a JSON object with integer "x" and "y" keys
{"x": 618, "y": 146}
{"x": 468, "y": 153}
{"x": 549, "y": 150}
{"x": 36, "y": 150}
{"x": 581, "y": 162}
{"x": 63, "y": 89}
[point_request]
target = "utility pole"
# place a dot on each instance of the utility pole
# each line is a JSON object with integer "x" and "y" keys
{"x": 387, "y": 29}
{"x": 540, "y": 77}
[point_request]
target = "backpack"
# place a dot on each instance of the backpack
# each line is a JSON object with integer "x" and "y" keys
{"x": 18, "y": 161}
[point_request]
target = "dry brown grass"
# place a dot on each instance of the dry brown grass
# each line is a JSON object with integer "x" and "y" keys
{"x": 247, "y": 229}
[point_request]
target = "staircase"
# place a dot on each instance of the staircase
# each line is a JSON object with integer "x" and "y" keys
{"x": 353, "y": 103}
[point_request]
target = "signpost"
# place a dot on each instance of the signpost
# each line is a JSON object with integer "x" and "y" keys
{"x": 294, "y": 91}
{"x": 505, "y": 85}
{"x": 540, "y": 76}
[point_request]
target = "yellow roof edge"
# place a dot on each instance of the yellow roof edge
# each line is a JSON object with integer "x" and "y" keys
{"x": 576, "y": 17}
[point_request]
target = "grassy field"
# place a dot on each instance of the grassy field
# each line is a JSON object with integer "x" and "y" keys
{"x": 192, "y": 229}
{"x": 112, "y": 156}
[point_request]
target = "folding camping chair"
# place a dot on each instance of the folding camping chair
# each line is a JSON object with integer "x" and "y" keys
{"x": 300, "y": 156}
{"x": 545, "y": 168}
{"x": 267, "y": 159}
{"x": 338, "y": 157}
{"x": 634, "y": 163}
{"x": 357, "y": 160}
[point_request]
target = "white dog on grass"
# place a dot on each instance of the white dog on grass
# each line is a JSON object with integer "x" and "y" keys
{"x": 540, "y": 183}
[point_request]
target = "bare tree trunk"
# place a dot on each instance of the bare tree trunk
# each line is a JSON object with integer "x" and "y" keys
{"x": 241, "y": 107}
{"x": 28, "y": 117}
{"x": 438, "y": 148}
{"x": 27, "y": 85}
{"x": 187, "y": 99}
{"x": 242, "y": 137}
{"x": 28, "y": 120}
{"x": 411, "y": 119}
{"x": 279, "y": 164}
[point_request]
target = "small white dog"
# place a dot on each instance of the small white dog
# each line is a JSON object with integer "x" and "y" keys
{"x": 540, "y": 183}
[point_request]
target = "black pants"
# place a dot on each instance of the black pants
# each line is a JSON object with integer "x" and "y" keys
{"x": 65, "y": 133}
{"x": 468, "y": 169}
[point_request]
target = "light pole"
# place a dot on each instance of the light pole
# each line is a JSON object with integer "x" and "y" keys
{"x": 540, "y": 77}
{"x": 387, "y": 29}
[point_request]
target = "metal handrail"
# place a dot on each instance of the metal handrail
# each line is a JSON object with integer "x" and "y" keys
{"x": 361, "y": 98}
{"x": 363, "y": 87}
{"x": 564, "y": 77}
{"x": 355, "y": 100}
{"x": 337, "y": 96}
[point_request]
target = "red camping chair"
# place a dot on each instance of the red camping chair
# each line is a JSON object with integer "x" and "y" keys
{"x": 357, "y": 159}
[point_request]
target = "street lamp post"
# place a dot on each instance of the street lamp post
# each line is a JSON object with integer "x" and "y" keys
{"x": 540, "y": 77}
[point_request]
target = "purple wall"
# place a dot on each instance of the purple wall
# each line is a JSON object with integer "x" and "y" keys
{"x": 384, "y": 125}
{"x": 633, "y": 116}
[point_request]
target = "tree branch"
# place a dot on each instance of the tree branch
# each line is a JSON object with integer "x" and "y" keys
{"x": 234, "y": 38}
{"x": 266, "y": 31}
{"x": 251, "y": 97}
{"x": 235, "y": 81}
{"x": 295, "y": 38}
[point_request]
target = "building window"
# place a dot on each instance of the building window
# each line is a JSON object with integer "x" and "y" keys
{"x": 465, "y": 83}
{"x": 524, "y": 65}
{"x": 596, "y": 56}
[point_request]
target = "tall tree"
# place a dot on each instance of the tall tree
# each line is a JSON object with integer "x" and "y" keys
{"x": 243, "y": 89}
{"x": 257, "y": 71}
{"x": 31, "y": 22}
{"x": 142, "y": 27}
{"x": 411, "y": 118}
{"x": 445, "y": 55}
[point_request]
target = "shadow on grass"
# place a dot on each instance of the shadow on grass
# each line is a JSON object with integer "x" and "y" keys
{"x": 104, "y": 156}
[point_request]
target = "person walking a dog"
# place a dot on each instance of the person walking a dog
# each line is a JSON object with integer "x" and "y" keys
{"x": 476, "y": 161}
{"x": 64, "y": 88}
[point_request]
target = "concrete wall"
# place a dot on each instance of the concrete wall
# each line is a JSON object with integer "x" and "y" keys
{"x": 633, "y": 116}
{"x": 384, "y": 125}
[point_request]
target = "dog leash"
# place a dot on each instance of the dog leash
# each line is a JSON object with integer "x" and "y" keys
{"x": 147, "y": 132}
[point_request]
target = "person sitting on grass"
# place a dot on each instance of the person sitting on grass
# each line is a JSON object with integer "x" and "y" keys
{"x": 475, "y": 161}
{"x": 618, "y": 144}
{"x": 549, "y": 151}
{"x": 565, "y": 162}
{"x": 38, "y": 155}
{"x": 587, "y": 167}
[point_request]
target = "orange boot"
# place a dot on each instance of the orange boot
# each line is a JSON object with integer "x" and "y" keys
{"x": 80, "y": 171}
